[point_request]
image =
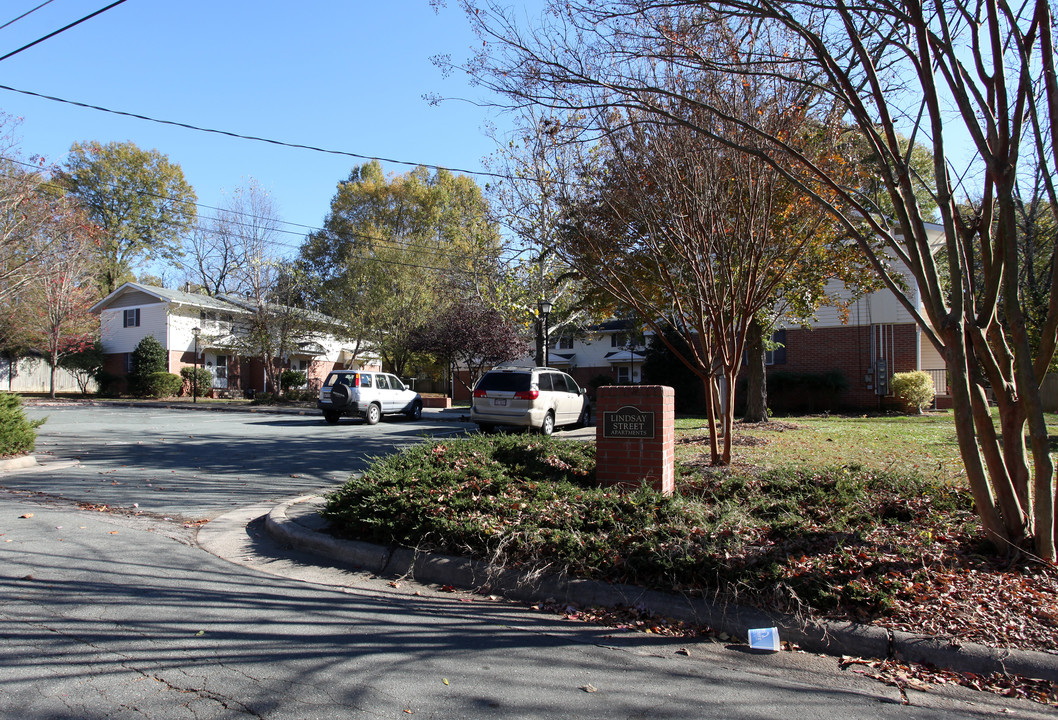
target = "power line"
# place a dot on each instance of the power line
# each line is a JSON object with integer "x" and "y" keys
{"x": 28, "y": 12}
{"x": 60, "y": 30}
{"x": 241, "y": 136}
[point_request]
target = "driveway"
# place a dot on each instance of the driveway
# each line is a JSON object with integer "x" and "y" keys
{"x": 196, "y": 465}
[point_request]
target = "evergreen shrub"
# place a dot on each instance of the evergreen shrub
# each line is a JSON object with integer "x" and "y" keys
{"x": 162, "y": 384}
{"x": 202, "y": 387}
{"x": 18, "y": 434}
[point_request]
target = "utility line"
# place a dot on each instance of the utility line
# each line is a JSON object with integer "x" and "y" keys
{"x": 60, "y": 30}
{"x": 241, "y": 136}
{"x": 28, "y": 12}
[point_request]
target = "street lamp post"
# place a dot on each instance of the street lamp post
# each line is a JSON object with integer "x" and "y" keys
{"x": 196, "y": 331}
{"x": 545, "y": 310}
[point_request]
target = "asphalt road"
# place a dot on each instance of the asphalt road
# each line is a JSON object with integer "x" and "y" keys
{"x": 118, "y": 615}
{"x": 195, "y": 465}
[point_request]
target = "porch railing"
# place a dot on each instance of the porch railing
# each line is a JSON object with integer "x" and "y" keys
{"x": 940, "y": 380}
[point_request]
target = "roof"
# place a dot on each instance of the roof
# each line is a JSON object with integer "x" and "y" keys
{"x": 624, "y": 356}
{"x": 175, "y": 297}
{"x": 225, "y": 302}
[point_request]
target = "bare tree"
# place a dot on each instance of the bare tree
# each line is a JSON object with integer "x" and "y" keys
{"x": 686, "y": 232}
{"x": 252, "y": 273}
{"x": 921, "y": 69}
{"x": 25, "y": 212}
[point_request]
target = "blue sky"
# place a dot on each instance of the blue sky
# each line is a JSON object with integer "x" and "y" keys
{"x": 342, "y": 75}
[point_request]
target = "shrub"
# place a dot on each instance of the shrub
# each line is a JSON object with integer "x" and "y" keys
{"x": 148, "y": 358}
{"x": 292, "y": 379}
{"x": 162, "y": 384}
{"x": 202, "y": 387}
{"x": 914, "y": 388}
{"x": 108, "y": 383}
{"x": 85, "y": 365}
{"x": 805, "y": 392}
{"x": 18, "y": 435}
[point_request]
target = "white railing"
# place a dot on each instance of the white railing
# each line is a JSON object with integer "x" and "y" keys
{"x": 940, "y": 380}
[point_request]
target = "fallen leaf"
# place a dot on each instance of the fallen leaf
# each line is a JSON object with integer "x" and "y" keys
{"x": 444, "y": 680}
{"x": 113, "y": 532}
{"x": 683, "y": 651}
{"x": 394, "y": 584}
{"x": 26, "y": 516}
{"x": 589, "y": 688}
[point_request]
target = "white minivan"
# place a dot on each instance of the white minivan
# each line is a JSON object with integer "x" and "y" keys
{"x": 535, "y": 397}
{"x": 366, "y": 394}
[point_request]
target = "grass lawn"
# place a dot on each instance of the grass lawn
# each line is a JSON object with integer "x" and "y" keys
{"x": 861, "y": 518}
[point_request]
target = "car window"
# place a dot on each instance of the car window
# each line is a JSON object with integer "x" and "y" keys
{"x": 543, "y": 383}
{"x": 365, "y": 380}
{"x": 571, "y": 385}
{"x": 511, "y": 381}
{"x": 381, "y": 383}
{"x": 395, "y": 383}
{"x": 559, "y": 381}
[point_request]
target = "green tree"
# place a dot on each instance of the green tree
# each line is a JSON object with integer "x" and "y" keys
{"x": 138, "y": 198}
{"x": 395, "y": 250}
{"x": 148, "y": 358}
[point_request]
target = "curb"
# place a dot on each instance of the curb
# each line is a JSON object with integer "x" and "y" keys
{"x": 30, "y": 464}
{"x": 839, "y": 638}
{"x": 18, "y": 463}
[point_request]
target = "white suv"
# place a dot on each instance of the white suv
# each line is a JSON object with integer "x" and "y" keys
{"x": 369, "y": 395}
{"x": 538, "y": 397}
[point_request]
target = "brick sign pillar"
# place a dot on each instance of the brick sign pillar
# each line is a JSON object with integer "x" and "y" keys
{"x": 634, "y": 436}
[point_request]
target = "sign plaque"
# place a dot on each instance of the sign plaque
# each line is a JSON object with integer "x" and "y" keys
{"x": 628, "y": 422}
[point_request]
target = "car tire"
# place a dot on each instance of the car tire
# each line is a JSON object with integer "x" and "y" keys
{"x": 373, "y": 414}
{"x": 547, "y": 425}
{"x": 486, "y": 428}
{"x": 331, "y": 416}
{"x": 416, "y": 411}
{"x": 585, "y": 417}
{"x": 340, "y": 395}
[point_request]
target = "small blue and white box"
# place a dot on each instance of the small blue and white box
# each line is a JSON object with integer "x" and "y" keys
{"x": 764, "y": 639}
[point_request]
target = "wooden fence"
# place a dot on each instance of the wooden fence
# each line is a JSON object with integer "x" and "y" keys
{"x": 33, "y": 375}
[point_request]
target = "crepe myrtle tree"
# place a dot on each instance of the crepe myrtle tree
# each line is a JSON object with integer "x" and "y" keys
{"x": 917, "y": 70}
{"x": 472, "y": 336}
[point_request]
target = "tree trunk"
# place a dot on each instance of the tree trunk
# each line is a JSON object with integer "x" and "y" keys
{"x": 756, "y": 375}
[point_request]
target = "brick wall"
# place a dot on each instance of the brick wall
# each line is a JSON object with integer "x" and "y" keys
{"x": 630, "y": 462}
{"x": 848, "y": 350}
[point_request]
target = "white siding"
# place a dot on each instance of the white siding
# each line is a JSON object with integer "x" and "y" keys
{"x": 119, "y": 339}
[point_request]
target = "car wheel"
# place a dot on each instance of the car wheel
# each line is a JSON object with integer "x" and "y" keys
{"x": 340, "y": 396}
{"x": 548, "y": 425}
{"x": 373, "y": 415}
{"x": 486, "y": 429}
{"x": 585, "y": 417}
{"x": 331, "y": 417}
{"x": 416, "y": 411}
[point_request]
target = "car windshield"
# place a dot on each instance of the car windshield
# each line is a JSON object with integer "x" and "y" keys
{"x": 512, "y": 382}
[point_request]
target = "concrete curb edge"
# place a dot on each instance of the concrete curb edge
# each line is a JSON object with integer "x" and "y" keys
{"x": 840, "y": 638}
